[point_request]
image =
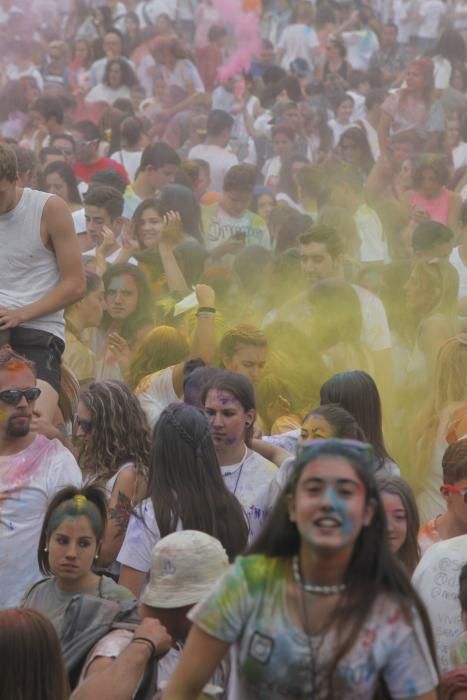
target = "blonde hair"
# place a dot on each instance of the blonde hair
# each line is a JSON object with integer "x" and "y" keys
{"x": 449, "y": 385}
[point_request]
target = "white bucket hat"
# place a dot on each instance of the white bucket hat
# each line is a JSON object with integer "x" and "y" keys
{"x": 184, "y": 567}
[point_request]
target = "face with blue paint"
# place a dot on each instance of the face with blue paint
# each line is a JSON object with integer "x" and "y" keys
{"x": 329, "y": 505}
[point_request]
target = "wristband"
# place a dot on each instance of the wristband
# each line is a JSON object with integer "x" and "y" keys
{"x": 146, "y": 640}
{"x": 207, "y": 310}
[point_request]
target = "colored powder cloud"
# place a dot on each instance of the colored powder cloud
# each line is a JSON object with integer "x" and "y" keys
{"x": 246, "y": 32}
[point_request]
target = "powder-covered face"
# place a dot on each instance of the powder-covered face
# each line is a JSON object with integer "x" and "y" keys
{"x": 15, "y": 421}
{"x": 248, "y": 360}
{"x": 227, "y": 419}
{"x": 396, "y": 519}
{"x": 329, "y": 505}
{"x": 316, "y": 427}
{"x": 121, "y": 297}
{"x": 72, "y": 547}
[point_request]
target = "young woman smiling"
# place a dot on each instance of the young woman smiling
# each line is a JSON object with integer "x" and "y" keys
{"x": 319, "y": 608}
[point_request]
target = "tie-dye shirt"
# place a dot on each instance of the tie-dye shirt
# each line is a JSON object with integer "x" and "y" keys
{"x": 271, "y": 655}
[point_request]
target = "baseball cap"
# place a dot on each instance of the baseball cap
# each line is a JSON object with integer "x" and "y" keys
{"x": 185, "y": 565}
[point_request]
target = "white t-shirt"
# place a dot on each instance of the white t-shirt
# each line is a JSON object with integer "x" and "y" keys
{"x": 149, "y": 10}
{"x": 298, "y": 41}
{"x": 28, "y": 482}
{"x": 373, "y": 244}
{"x": 459, "y": 155}
{"x": 436, "y": 580}
{"x": 375, "y": 327}
{"x": 431, "y": 13}
{"x": 372, "y": 136}
{"x": 155, "y": 392}
{"x": 403, "y": 17}
{"x": 338, "y": 129}
{"x": 105, "y": 93}
{"x": 220, "y": 161}
{"x": 271, "y": 171}
{"x": 361, "y": 45}
{"x": 131, "y": 160}
{"x": 456, "y": 261}
{"x": 249, "y": 481}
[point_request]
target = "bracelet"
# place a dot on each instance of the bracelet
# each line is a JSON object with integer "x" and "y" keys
{"x": 146, "y": 640}
{"x": 206, "y": 310}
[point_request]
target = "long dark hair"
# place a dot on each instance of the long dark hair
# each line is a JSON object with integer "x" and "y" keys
{"x": 372, "y": 570}
{"x": 357, "y": 392}
{"x": 186, "y": 484}
{"x": 342, "y": 422}
{"x": 143, "y": 314}
{"x": 65, "y": 171}
{"x": 182, "y": 200}
{"x": 409, "y": 553}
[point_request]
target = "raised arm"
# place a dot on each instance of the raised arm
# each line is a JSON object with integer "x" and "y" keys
{"x": 204, "y": 338}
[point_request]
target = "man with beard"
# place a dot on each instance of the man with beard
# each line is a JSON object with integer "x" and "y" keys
{"x": 32, "y": 470}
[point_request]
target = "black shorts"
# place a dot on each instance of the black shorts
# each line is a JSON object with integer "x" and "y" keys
{"x": 42, "y": 348}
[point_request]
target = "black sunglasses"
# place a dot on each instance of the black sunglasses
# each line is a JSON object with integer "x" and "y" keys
{"x": 85, "y": 425}
{"x": 14, "y": 396}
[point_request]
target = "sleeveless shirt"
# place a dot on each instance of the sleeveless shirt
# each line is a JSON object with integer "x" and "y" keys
{"x": 28, "y": 270}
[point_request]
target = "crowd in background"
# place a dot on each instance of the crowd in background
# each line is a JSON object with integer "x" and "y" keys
{"x": 233, "y": 349}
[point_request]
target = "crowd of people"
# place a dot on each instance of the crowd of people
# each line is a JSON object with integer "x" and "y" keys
{"x": 233, "y": 349}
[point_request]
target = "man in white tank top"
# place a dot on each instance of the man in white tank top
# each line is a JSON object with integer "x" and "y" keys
{"x": 41, "y": 272}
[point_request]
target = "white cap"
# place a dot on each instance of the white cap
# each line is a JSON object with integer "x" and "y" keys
{"x": 184, "y": 567}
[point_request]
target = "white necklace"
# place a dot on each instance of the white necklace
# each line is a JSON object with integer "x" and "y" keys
{"x": 314, "y": 588}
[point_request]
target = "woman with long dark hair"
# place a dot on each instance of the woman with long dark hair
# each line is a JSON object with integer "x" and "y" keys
{"x": 114, "y": 436}
{"x": 319, "y": 608}
{"x": 128, "y": 317}
{"x": 186, "y": 491}
{"x": 357, "y": 392}
{"x": 59, "y": 178}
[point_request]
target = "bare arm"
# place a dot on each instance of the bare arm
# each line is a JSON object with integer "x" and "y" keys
{"x": 201, "y": 656}
{"x": 383, "y": 133}
{"x": 132, "y": 579}
{"x": 119, "y": 679}
{"x": 204, "y": 338}
{"x": 274, "y": 453}
{"x": 123, "y": 498}
{"x": 72, "y": 287}
{"x": 454, "y": 222}
{"x": 175, "y": 280}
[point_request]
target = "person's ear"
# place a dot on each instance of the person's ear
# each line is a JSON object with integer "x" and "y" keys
{"x": 250, "y": 417}
{"x": 444, "y": 492}
{"x": 369, "y": 513}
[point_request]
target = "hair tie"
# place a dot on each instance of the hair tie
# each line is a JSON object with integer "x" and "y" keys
{"x": 80, "y": 500}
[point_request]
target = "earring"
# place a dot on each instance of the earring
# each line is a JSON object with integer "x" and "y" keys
{"x": 45, "y": 549}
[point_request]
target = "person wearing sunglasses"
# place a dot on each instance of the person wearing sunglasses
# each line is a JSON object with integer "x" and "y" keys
{"x": 32, "y": 469}
{"x": 315, "y": 587}
{"x": 452, "y": 522}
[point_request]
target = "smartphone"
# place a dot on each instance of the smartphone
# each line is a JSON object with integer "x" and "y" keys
{"x": 239, "y": 236}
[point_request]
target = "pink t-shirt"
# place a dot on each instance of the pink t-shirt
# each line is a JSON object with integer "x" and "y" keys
{"x": 437, "y": 208}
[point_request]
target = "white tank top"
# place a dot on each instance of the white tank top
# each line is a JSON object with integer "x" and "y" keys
{"x": 28, "y": 270}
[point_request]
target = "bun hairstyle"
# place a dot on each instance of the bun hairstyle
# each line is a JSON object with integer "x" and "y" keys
{"x": 69, "y": 503}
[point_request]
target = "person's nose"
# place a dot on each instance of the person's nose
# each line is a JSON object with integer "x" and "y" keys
{"x": 71, "y": 551}
{"x": 216, "y": 420}
{"x": 22, "y": 402}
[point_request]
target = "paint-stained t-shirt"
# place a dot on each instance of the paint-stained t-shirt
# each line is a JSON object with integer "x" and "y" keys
{"x": 271, "y": 656}
{"x": 28, "y": 481}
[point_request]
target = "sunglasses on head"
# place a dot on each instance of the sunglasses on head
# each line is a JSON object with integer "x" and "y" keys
{"x": 85, "y": 425}
{"x": 310, "y": 449}
{"x": 456, "y": 489}
{"x": 14, "y": 396}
